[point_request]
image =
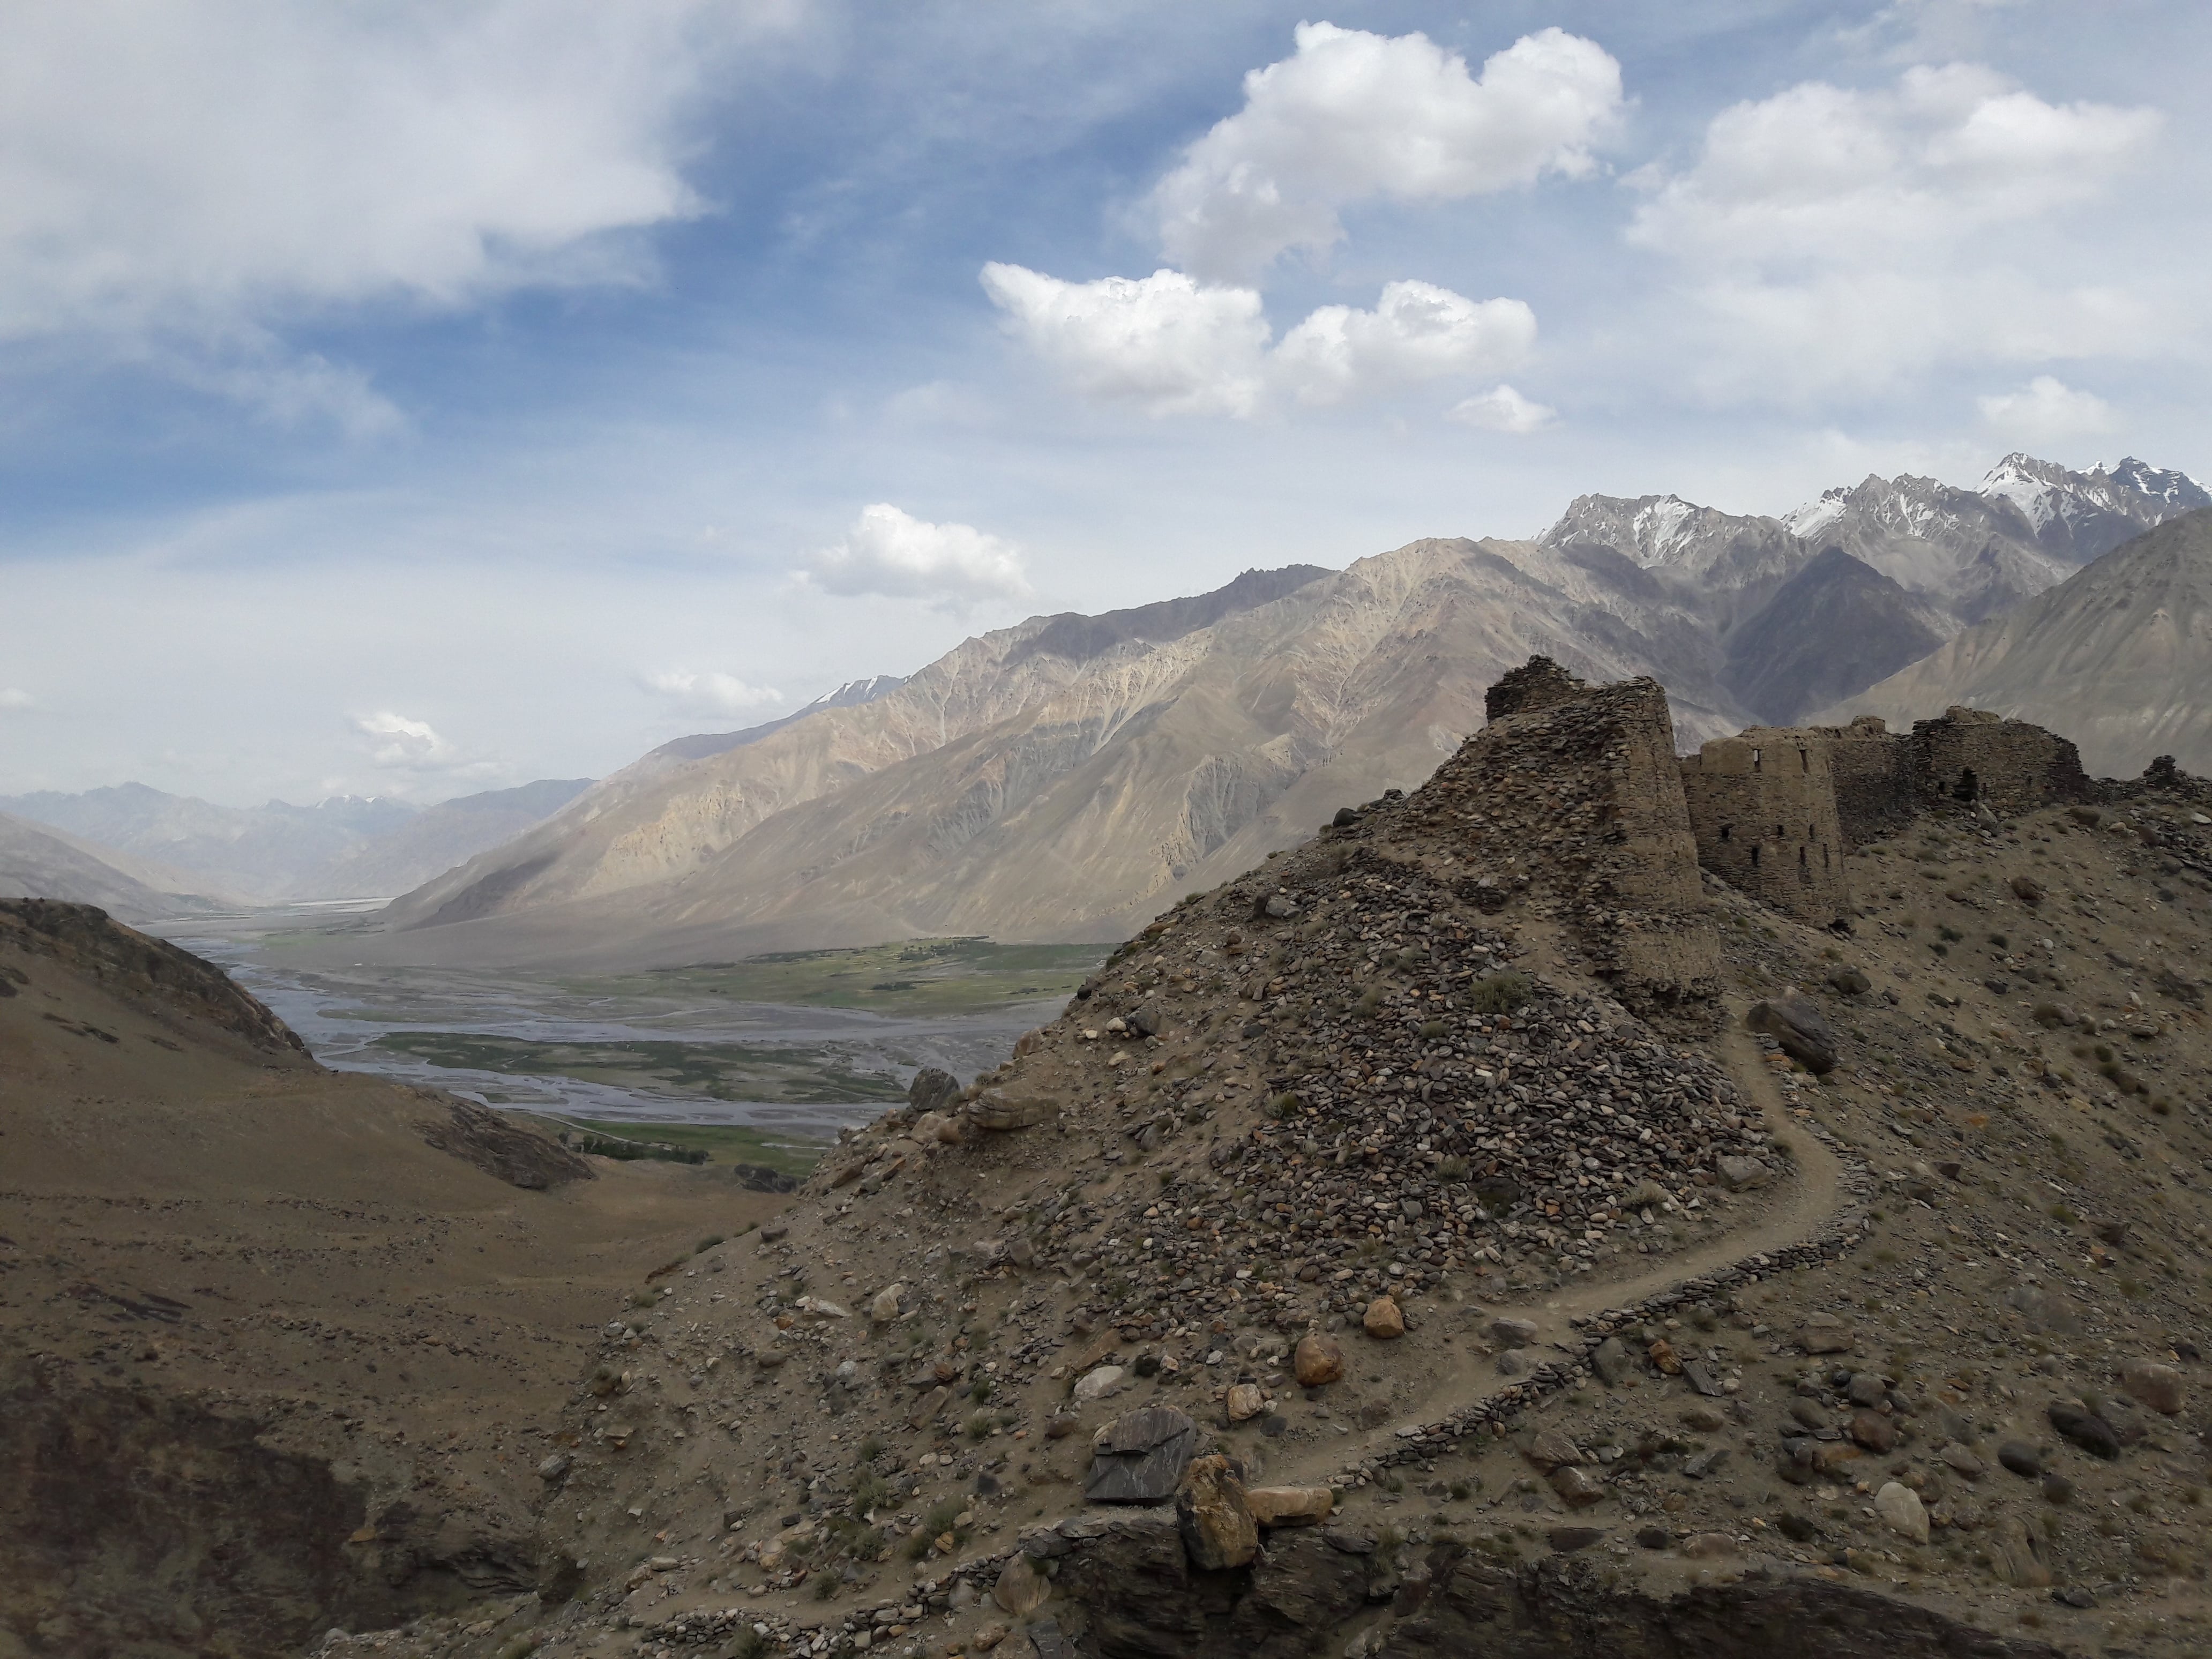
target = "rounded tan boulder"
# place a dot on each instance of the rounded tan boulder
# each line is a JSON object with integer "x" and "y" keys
{"x": 1290, "y": 1506}
{"x": 1245, "y": 1402}
{"x": 1213, "y": 1517}
{"x": 1318, "y": 1360}
{"x": 2156, "y": 1386}
{"x": 1384, "y": 1321}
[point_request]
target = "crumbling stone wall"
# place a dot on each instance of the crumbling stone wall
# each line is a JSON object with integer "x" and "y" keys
{"x": 1539, "y": 682}
{"x": 2009, "y": 766}
{"x": 1571, "y": 796}
{"x": 1763, "y": 809}
{"x": 1874, "y": 796}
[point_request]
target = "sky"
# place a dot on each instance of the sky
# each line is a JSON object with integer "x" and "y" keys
{"x": 411, "y": 399}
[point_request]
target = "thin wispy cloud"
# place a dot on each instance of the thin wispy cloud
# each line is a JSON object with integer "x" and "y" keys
{"x": 708, "y": 694}
{"x": 192, "y": 174}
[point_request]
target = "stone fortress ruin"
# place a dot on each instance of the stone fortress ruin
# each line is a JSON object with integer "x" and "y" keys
{"x": 1774, "y": 808}
{"x": 1773, "y": 811}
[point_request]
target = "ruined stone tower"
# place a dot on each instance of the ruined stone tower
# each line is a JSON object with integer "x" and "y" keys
{"x": 1571, "y": 798}
{"x": 1763, "y": 808}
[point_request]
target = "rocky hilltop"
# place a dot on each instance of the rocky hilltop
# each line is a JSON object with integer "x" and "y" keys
{"x": 1062, "y": 779}
{"x": 1556, "y": 1210}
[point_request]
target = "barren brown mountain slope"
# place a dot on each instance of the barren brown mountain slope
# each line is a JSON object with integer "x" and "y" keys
{"x": 40, "y": 862}
{"x": 2118, "y": 656}
{"x": 1033, "y": 786}
{"x": 1405, "y": 1248}
{"x": 279, "y": 1348}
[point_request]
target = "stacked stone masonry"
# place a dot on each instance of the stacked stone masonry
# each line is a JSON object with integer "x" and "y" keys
{"x": 1763, "y": 809}
{"x": 1571, "y": 795}
{"x": 1775, "y": 810}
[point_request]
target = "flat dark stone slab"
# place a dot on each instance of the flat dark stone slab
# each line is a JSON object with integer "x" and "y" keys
{"x": 1140, "y": 1456}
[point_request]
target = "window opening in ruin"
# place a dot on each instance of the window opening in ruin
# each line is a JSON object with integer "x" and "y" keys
{"x": 1968, "y": 785}
{"x": 1805, "y": 760}
{"x": 1823, "y": 858}
{"x": 1810, "y": 831}
{"x": 1754, "y": 855}
{"x": 1781, "y": 833}
{"x": 1755, "y": 754}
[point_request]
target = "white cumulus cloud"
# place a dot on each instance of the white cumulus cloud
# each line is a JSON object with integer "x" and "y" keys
{"x": 1827, "y": 173}
{"x": 1353, "y": 116}
{"x": 1502, "y": 409}
{"x": 710, "y": 693}
{"x": 891, "y": 552}
{"x": 1163, "y": 341}
{"x": 1416, "y": 332}
{"x": 1175, "y": 346}
{"x": 2047, "y": 410}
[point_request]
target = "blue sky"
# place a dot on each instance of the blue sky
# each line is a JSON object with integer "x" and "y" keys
{"x": 420, "y": 399}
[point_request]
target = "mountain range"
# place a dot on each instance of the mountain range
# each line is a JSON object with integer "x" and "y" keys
{"x": 40, "y": 862}
{"x": 1062, "y": 778}
{"x": 346, "y": 847}
{"x": 2118, "y": 656}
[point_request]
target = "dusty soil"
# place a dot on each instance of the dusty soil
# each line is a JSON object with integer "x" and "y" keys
{"x": 272, "y": 1360}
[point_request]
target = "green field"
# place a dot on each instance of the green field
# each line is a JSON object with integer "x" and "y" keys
{"x": 783, "y": 1074}
{"x": 722, "y": 1143}
{"x": 919, "y": 978}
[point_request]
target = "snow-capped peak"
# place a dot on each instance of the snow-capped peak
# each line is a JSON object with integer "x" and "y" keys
{"x": 2176, "y": 488}
{"x": 2029, "y": 484}
{"x": 1808, "y": 521}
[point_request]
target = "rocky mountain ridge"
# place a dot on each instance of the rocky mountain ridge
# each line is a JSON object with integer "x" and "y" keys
{"x": 1058, "y": 779}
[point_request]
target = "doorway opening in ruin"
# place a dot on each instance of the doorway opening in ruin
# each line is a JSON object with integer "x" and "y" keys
{"x": 1968, "y": 785}
{"x": 1725, "y": 829}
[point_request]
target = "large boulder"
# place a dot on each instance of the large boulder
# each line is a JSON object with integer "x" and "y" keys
{"x": 1290, "y": 1506}
{"x": 1801, "y": 1029}
{"x": 933, "y": 1091}
{"x": 2158, "y": 1386}
{"x": 1140, "y": 1457}
{"x": 2091, "y": 1432}
{"x": 1318, "y": 1360}
{"x": 1211, "y": 1513}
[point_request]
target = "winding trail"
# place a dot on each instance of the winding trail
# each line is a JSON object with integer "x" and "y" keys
{"x": 1815, "y": 1197}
